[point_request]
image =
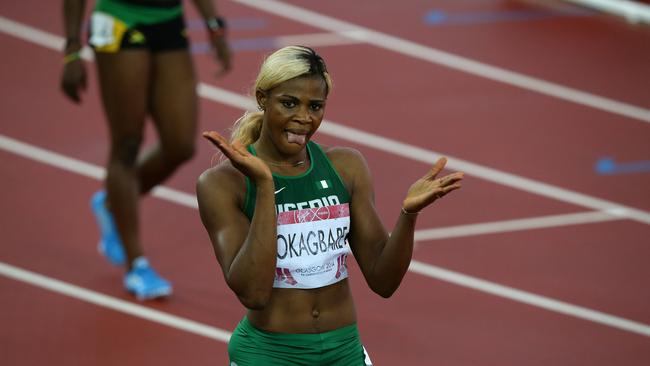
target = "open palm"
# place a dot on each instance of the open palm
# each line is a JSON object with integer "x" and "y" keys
{"x": 250, "y": 165}
{"x": 429, "y": 188}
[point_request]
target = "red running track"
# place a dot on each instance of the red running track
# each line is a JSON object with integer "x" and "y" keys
{"x": 571, "y": 294}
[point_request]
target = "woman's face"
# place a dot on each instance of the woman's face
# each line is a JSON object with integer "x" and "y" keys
{"x": 294, "y": 110}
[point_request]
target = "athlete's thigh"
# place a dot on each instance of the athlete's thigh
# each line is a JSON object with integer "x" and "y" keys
{"x": 124, "y": 84}
{"x": 173, "y": 97}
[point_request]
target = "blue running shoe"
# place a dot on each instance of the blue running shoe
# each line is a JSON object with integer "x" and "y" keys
{"x": 110, "y": 244}
{"x": 144, "y": 282}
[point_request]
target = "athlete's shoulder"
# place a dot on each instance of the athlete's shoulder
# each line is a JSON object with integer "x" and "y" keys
{"x": 341, "y": 152}
{"x": 223, "y": 175}
{"x": 348, "y": 162}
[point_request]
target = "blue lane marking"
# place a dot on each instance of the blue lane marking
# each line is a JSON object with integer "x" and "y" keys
{"x": 234, "y": 23}
{"x": 439, "y": 17}
{"x": 608, "y": 166}
{"x": 251, "y": 44}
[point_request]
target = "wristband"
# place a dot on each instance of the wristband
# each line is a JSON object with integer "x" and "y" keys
{"x": 72, "y": 56}
{"x": 216, "y": 26}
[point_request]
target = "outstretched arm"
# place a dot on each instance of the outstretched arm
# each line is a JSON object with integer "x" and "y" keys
{"x": 246, "y": 251}
{"x": 383, "y": 258}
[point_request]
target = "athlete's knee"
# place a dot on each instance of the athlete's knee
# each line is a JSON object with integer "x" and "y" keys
{"x": 125, "y": 151}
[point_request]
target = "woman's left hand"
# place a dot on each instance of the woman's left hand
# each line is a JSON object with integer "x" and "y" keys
{"x": 429, "y": 188}
{"x": 222, "y": 53}
{"x": 73, "y": 79}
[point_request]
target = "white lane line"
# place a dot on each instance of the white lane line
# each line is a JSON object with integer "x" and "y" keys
{"x": 85, "y": 169}
{"x": 113, "y": 303}
{"x": 51, "y": 158}
{"x": 529, "y": 298}
{"x": 315, "y": 40}
{"x": 416, "y": 267}
{"x": 37, "y": 36}
{"x": 394, "y": 147}
{"x": 633, "y": 11}
{"x": 432, "y": 55}
{"x": 514, "y": 225}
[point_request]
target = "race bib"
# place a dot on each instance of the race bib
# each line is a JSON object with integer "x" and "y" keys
{"x": 106, "y": 32}
{"x": 312, "y": 248}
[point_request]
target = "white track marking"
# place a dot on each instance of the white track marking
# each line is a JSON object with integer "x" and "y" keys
{"x": 633, "y": 11}
{"x": 113, "y": 303}
{"x": 514, "y": 225}
{"x": 315, "y": 40}
{"x": 529, "y": 298}
{"x": 86, "y": 169}
{"x": 51, "y": 158}
{"x": 37, "y": 36}
{"x": 432, "y": 55}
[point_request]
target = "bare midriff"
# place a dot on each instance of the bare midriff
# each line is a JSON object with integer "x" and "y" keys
{"x": 306, "y": 311}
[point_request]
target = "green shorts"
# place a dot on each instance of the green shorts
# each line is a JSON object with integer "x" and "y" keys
{"x": 340, "y": 347}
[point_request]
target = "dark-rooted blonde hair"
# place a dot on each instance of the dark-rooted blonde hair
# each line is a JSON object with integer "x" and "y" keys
{"x": 282, "y": 65}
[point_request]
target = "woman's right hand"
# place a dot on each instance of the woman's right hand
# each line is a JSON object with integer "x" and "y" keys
{"x": 250, "y": 165}
{"x": 73, "y": 79}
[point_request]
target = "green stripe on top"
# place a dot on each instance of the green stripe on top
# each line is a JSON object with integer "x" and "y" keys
{"x": 132, "y": 14}
{"x": 319, "y": 186}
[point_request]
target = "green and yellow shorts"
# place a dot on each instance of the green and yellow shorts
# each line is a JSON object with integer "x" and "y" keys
{"x": 340, "y": 347}
{"x": 118, "y": 24}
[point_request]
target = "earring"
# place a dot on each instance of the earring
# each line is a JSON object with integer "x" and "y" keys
{"x": 260, "y": 108}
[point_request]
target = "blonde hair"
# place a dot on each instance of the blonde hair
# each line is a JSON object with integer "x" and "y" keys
{"x": 284, "y": 64}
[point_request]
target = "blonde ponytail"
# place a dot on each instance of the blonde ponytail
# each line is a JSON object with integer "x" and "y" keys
{"x": 247, "y": 128}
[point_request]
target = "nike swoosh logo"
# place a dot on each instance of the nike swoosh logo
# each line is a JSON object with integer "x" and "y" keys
{"x": 280, "y": 190}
